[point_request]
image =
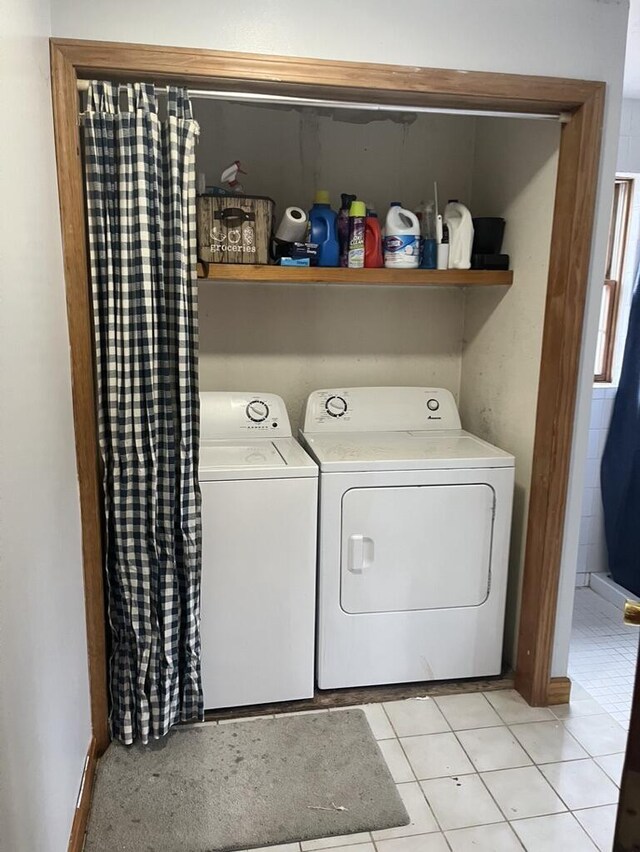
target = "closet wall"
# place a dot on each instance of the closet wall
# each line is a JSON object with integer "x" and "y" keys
{"x": 289, "y": 152}
{"x": 483, "y": 344}
{"x": 292, "y": 339}
{"x": 514, "y": 177}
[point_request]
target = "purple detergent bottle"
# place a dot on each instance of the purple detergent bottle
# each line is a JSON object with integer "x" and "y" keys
{"x": 343, "y": 227}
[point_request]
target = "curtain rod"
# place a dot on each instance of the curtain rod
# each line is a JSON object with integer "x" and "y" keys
{"x": 286, "y": 100}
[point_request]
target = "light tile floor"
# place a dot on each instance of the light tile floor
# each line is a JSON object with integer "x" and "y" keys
{"x": 602, "y": 656}
{"x": 487, "y": 773}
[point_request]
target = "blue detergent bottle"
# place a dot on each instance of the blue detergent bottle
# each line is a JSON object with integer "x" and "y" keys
{"x": 323, "y": 229}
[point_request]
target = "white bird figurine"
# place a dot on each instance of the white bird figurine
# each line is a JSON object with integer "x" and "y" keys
{"x": 230, "y": 176}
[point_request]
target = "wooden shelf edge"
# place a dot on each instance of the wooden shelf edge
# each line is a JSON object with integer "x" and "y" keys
{"x": 339, "y": 275}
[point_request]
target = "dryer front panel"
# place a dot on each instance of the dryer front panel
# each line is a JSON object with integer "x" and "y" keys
{"x": 419, "y": 547}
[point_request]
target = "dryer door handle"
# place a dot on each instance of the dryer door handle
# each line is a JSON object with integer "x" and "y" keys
{"x": 360, "y": 555}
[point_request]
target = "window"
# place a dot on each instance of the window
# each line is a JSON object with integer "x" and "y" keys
{"x": 613, "y": 279}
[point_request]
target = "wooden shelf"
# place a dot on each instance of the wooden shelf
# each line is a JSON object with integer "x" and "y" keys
{"x": 340, "y": 275}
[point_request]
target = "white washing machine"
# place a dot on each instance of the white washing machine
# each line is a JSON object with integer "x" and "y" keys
{"x": 415, "y": 517}
{"x": 259, "y": 523}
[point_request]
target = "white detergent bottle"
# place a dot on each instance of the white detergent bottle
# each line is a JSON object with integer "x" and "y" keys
{"x": 460, "y": 224}
{"x": 401, "y": 239}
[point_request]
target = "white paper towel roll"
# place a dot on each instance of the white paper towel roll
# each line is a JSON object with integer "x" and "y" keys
{"x": 293, "y": 225}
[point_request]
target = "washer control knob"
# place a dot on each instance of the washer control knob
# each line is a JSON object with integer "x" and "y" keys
{"x": 336, "y": 406}
{"x": 433, "y": 404}
{"x": 257, "y": 410}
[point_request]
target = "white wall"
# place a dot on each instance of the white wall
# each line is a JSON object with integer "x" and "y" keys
{"x": 592, "y": 551}
{"x": 629, "y": 142}
{"x": 575, "y": 38}
{"x": 628, "y": 166}
{"x": 514, "y": 177}
{"x": 44, "y": 708}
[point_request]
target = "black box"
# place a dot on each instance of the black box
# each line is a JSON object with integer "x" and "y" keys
{"x": 489, "y": 261}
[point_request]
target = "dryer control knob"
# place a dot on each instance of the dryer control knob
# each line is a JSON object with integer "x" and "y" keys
{"x": 336, "y": 406}
{"x": 433, "y": 404}
{"x": 257, "y": 410}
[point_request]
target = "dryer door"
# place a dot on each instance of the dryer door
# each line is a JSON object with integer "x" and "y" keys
{"x": 416, "y": 547}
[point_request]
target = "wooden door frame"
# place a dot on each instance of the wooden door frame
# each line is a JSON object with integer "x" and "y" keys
{"x": 581, "y": 101}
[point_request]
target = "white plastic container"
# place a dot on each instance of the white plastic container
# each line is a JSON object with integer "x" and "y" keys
{"x": 402, "y": 239}
{"x": 443, "y": 256}
{"x": 460, "y": 224}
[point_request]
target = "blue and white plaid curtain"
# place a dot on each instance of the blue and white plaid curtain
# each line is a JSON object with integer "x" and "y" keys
{"x": 140, "y": 185}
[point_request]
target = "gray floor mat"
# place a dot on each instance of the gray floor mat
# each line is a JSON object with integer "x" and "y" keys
{"x": 213, "y": 788}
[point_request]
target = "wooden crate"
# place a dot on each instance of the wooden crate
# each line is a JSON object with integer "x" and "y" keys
{"x": 234, "y": 228}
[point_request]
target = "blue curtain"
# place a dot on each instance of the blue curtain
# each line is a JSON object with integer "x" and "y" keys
{"x": 620, "y": 472}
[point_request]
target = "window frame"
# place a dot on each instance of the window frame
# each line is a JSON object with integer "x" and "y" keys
{"x": 620, "y": 217}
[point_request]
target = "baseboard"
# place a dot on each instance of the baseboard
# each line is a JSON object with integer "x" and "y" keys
{"x": 351, "y": 696}
{"x": 83, "y": 803}
{"x": 559, "y": 690}
{"x": 606, "y": 587}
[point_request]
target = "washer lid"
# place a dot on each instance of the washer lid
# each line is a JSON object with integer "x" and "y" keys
{"x": 416, "y": 450}
{"x": 255, "y": 458}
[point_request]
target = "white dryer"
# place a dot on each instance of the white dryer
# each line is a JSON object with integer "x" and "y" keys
{"x": 415, "y": 517}
{"x": 259, "y": 522}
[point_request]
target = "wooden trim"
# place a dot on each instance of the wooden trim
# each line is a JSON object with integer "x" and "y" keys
{"x": 79, "y": 318}
{"x": 559, "y": 691}
{"x": 561, "y": 345}
{"x": 568, "y": 279}
{"x": 83, "y": 805}
{"x": 303, "y": 76}
{"x": 615, "y": 284}
{"x": 340, "y": 275}
{"x": 627, "y": 831}
{"x": 612, "y": 315}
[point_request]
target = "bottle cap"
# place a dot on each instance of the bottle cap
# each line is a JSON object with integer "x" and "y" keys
{"x": 321, "y": 196}
{"x": 396, "y": 204}
{"x": 347, "y": 199}
{"x": 358, "y": 208}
